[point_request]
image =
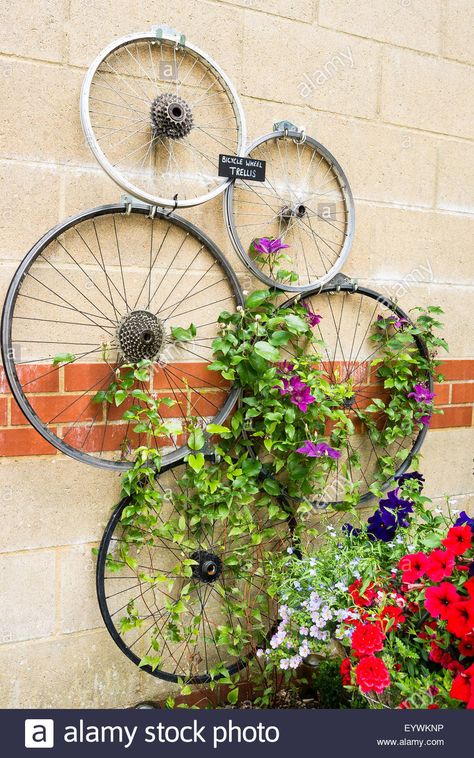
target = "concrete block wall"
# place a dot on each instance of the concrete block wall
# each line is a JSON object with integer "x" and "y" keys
{"x": 387, "y": 87}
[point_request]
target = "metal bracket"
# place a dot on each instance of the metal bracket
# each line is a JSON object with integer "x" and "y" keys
{"x": 338, "y": 281}
{"x": 128, "y": 201}
{"x": 288, "y": 126}
{"x": 167, "y": 32}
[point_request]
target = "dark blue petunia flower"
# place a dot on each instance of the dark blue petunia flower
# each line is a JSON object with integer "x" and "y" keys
{"x": 351, "y": 531}
{"x": 464, "y": 519}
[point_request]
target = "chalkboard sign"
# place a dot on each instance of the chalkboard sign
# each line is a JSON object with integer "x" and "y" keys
{"x": 238, "y": 167}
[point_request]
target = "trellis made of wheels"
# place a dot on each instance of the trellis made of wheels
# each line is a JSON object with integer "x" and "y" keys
{"x": 114, "y": 285}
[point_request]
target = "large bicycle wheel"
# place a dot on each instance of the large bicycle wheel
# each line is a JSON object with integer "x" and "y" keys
{"x": 156, "y": 112}
{"x": 353, "y": 325}
{"x": 305, "y": 201}
{"x": 182, "y": 582}
{"x": 108, "y": 289}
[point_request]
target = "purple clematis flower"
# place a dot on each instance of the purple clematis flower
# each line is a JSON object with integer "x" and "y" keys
{"x": 318, "y": 450}
{"x": 421, "y": 394}
{"x": 425, "y": 420}
{"x": 268, "y": 246}
{"x": 398, "y": 323}
{"x": 285, "y": 367}
{"x": 313, "y": 318}
{"x": 300, "y": 393}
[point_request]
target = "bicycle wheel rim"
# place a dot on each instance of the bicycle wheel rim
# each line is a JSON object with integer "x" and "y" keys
{"x": 331, "y": 258}
{"x": 352, "y": 289}
{"x": 110, "y": 168}
{"x": 106, "y": 601}
{"x": 94, "y": 215}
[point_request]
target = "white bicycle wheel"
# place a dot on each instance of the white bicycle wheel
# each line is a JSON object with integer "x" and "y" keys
{"x": 305, "y": 201}
{"x": 156, "y": 112}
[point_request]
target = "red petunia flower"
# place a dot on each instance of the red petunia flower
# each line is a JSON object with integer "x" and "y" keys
{"x": 466, "y": 646}
{"x": 462, "y": 687}
{"x": 436, "y": 653}
{"x": 469, "y": 586}
{"x": 461, "y": 618}
{"x": 365, "y": 598}
{"x": 367, "y": 639}
{"x": 438, "y": 600}
{"x": 440, "y": 564}
{"x": 459, "y": 539}
{"x": 345, "y": 670}
{"x": 372, "y": 674}
{"x": 433, "y": 707}
{"x": 413, "y": 567}
{"x": 404, "y": 705}
{"x": 390, "y": 617}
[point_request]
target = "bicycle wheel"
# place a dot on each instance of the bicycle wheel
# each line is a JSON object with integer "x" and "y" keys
{"x": 186, "y": 594}
{"x": 108, "y": 289}
{"x": 355, "y": 361}
{"x": 156, "y": 112}
{"x": 305, "y": 201}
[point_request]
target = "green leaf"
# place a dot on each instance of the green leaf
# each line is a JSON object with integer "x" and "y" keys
{"x": 196, "y": 439}
{"x": 119, "y": 397}
{"x": 183, "y": 335}
{"x": 217, "y": 429}
{"x": 251, "y": 467}
{"x": 271, "y": 486}
{"x": 295, "y": 324}
{"x": 195, "y": 461}
{"x": 63, "y": 358}
{"x": 256, "y": 298}
{"x": 280, "y": 337}
{"x": 233, "y": 696}
{"x": 267, "y": 351}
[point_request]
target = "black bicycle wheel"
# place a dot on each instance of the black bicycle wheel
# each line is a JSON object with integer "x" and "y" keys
{"x": 109, "y": 288}
{"x": 345, "y": 319}
{"x": 185, "y": 594}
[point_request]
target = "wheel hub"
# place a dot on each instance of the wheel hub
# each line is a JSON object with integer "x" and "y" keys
{"x": 293, "y": 211}
{"x": 141, "y": 336}
{"x": 208, "y": 567}
{"x": 171, "y": 116}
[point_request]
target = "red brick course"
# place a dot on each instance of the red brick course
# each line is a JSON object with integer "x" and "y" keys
{"x": 57, "y": 394}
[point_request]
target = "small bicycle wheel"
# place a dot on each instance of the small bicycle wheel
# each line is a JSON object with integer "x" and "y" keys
{"x": 351, "y": 358}
{"x": 305, "y": 201}
{"x": 182, "y": 581}
{"x": 156, "y": 112}
{"x": 108, "y": 289}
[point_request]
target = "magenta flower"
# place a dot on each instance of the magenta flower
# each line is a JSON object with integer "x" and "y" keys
{"x": 300, "y": 393}
{"x": 318, "y": 450}
{"x": 285, "y": 367}
{"x": 425, "y": 420}
{"x": 268, "y": 246}
{"x": 421, "y": 394}
{"x": 398, "y": 323}
{"x": 313, "y": 318}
